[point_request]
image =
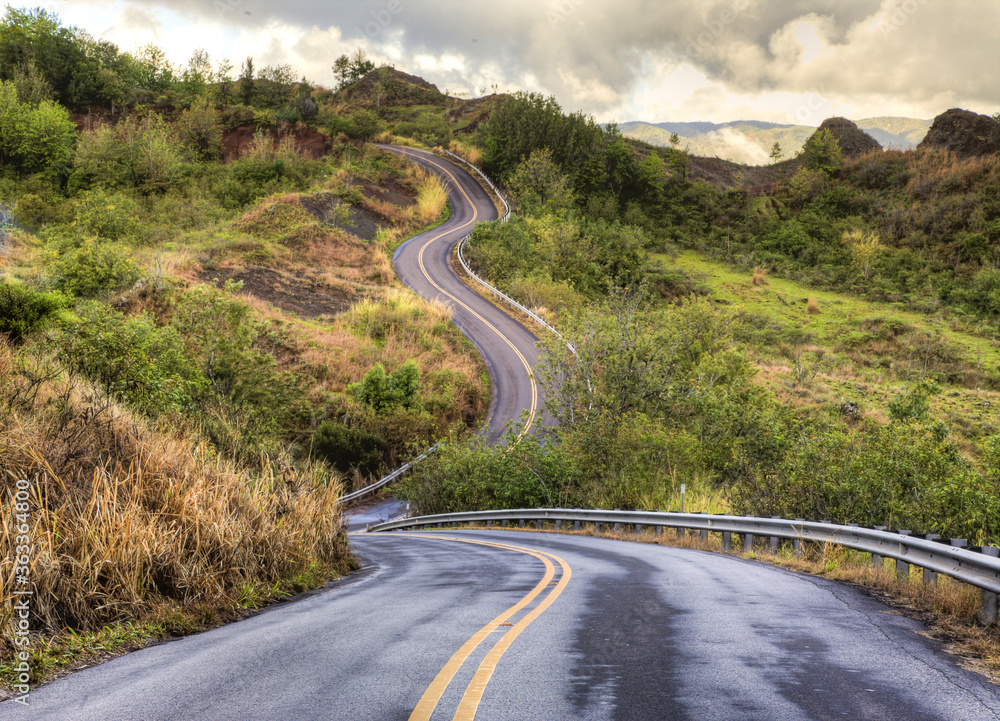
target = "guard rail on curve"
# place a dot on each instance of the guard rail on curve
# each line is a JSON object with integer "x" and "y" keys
{"x": 382, "y": 482}
{"x": 388, "y": 479}
{"x": 977, "y": 569}
{"x": 489, "y": 182}
{"x": 498, "y": 293}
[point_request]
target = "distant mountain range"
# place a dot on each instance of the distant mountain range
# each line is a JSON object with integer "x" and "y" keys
{"x": 750, "y": 141}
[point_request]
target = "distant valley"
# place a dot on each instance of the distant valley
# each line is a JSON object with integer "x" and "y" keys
{"x": 750, "y": 141}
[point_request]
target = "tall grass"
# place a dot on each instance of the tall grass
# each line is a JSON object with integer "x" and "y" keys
{"x": 124, "y": 519}
{"x": 431, "y": 199}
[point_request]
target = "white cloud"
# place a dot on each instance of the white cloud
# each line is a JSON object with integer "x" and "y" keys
{"x": 624, "y": 59}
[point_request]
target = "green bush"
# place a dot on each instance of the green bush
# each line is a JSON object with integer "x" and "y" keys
{"x": 904, "y": 475}
{"x": 429, "y": 128}
{"x": 387, "y": 393}
{"x": 33, "y": 137}
{"x": 914, "y": 405}
{"x": 475, "y": 476}
{"x": 89, "y": 267}
{"x": 24, "y": 311}
{"x": 200, "y": 129}
{"x": 131, "y": 358}
{"x": 110, "y": 216}
{"x": 347, "y": 449}
{"x": 141, "y": 153}
{"x": 249, "y": 403}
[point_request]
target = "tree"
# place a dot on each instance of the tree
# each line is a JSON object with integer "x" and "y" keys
{"x": 198, "y": 73}
{"x": 865, "y": 248}
{"x": 156, "y": 72}
{"x": 776, "y": 152}
{"x": 540, "y": 186}
{"x": 367, "y": 123}
{"x": 526, "y": 122}
{"x": 223, "y": 80}
{"x": 247, "y": 87}
{"x": 200, "y": 129}
{"x": 35, "y": 138}
{"x": 136, "y": 153}
{"x": 822, "y": 153}
{"x": 275, "y": 86}
{"x": 348, "y": 70}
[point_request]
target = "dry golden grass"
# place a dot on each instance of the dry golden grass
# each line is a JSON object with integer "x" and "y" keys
{"x": 469, "y": 152}
{"x": 431, "y": 200}
{"x": 125, "y": 520}
{"x": 759, "y": 275}
{"x": 812, "y": 306}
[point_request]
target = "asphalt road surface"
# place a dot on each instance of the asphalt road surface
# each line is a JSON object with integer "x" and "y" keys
{"x": 423, "y": 263}
{"x": 516, "y": 625}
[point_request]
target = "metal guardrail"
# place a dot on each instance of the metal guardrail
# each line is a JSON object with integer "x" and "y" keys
{"x": 489, "y": 182}
{"x": 980, "y": 569}
{"x": 382, "y": 482}
{"x": 500, "y": 294}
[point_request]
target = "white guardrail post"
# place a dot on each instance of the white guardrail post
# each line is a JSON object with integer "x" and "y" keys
{"x": 498, "y": 293}
{"x": 980, "y": 568}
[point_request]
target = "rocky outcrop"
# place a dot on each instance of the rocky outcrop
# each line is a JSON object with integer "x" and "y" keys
{"x": 964, "y": 133}
{"x": 853, "y": 141}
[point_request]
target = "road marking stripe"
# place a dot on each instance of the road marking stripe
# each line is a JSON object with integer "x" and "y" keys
{"x": 469, "y": 704}
{"x": 532, "y": 410}
{"x": 473, "y": 695}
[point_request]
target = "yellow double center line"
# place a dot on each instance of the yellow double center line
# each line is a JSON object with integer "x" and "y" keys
{"x": 533, "y": 408}
{"x": 469, "y": 704}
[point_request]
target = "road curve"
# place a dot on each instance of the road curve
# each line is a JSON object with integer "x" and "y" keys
{"x": 431, "y": 629}
{"x": 423, "y": 263}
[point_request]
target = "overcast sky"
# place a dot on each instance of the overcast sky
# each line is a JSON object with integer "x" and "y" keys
{"x": 794, "y": 61}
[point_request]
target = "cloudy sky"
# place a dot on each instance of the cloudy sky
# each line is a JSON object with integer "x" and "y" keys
{"x": 796, "y": 61}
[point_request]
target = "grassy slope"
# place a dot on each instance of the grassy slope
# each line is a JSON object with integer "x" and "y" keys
{"x": 811, "y": 362}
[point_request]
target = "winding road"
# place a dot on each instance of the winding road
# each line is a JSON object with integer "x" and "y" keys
{"x": 424, "y": 264}
{"x": 511, "y": 625}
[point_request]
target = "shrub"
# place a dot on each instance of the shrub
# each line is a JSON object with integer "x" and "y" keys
{"x": 110, "y": 216}
{"x": 130, "y": 358}
{"x": 430, "y": 129}
{"x": 140, "y": 153}
{"x": 386, "y": 393}
{"x": 914, "y": 405}
{"x": 249, "y": 403}
{"x": 24, "y": 311}
{"x": 201, "y": 130}
{"x": 33, "y": 137}
{"x": 475, "y": 476}
{"x": 347, "y": 449}
{"x": 90, "y": 267}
